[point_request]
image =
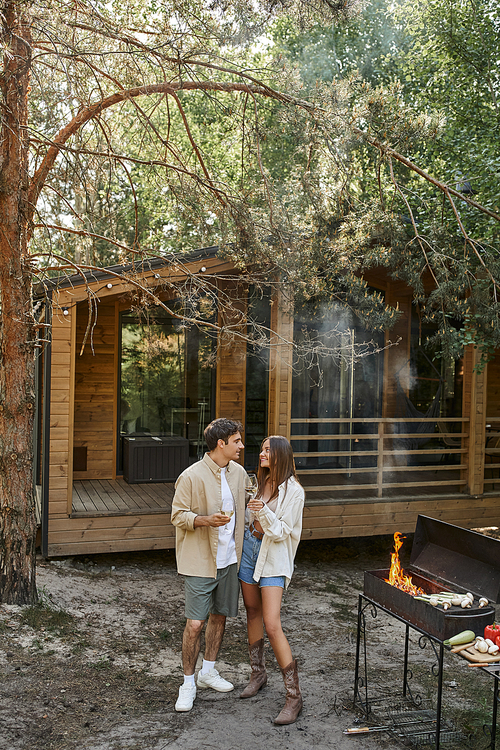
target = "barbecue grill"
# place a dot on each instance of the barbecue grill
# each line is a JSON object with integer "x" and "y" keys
{"x": 444, "y": 557}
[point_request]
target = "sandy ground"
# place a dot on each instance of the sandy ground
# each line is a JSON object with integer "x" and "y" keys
{"x": 96, "y": 666}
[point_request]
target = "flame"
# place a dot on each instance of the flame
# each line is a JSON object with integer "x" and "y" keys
{"x": 397, "y": 577}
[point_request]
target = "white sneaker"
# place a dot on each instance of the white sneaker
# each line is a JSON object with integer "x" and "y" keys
{"x": 187, "y": 694}
{"x": 213, "y": 680}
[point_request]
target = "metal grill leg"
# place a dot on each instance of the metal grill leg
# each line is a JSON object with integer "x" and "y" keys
{"x": 496, "y": 690}
{"x": 439, "y": 695}
{"x": 357, "y": 680}
{"x": 405, "y": 669}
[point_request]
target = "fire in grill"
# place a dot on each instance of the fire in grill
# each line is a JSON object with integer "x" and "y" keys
{"x": 443, "y": 558}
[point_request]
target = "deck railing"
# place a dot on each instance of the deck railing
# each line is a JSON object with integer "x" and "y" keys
{"x": 381, "y": 456}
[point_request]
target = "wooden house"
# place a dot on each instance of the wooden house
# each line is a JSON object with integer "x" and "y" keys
{"x": 124, "y": 400}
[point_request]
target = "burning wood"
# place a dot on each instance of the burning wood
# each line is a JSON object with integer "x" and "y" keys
{"x": 397, "y": 578}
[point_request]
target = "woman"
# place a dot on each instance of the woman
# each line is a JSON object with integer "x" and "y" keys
{"x": 269, "y": 547}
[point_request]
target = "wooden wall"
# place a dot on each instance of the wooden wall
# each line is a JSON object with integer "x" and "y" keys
{"x": 61, "y": 412}
{"x": 95, "y": 391}
{"x": 474, "y": 407}
{"x": 85, "y": 536}
{"x": 280, "y": 371}
{"x": 231, "y": 365}
{"x": 341, "y": 519}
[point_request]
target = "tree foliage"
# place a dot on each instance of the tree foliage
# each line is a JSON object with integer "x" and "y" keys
{"x": 425, "y": 84}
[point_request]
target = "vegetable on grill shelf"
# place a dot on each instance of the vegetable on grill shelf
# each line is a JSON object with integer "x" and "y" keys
{"x": 466, "y": 636}
{"x": 492, "y": 631}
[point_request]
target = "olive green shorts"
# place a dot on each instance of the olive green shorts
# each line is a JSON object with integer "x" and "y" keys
{"x": 216, "y": 596}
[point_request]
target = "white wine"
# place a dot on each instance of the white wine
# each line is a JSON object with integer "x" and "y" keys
{"x": 228, "y": 513}
{"x": 251, "y": 485}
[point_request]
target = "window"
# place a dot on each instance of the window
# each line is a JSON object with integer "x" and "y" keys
{"x": 429, "y": 371}
{"x": 165, "y": 382}
{"x": 257, "y": 383}
{"x": 329, "y": 387}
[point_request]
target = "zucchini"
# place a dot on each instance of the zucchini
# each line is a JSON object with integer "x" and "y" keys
{"x": 464, "y": 637}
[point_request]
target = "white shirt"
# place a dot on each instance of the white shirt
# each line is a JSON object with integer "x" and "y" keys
{"x": 226, "y": 548}
{"x": 282, "y": 531}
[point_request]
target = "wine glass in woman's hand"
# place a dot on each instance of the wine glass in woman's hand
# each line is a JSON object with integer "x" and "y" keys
{"x": 251, "y": 485}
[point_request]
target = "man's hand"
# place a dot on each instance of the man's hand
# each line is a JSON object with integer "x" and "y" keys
{"x": 215, "y": 520}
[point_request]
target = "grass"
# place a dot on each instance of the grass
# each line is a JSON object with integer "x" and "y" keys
{"x": 80, "y": 646}
{"x": 43, "y": 616}
{"x": 167, "y": 636}
{"x": 101, "y": 665}
{"x": 332, "y": 588}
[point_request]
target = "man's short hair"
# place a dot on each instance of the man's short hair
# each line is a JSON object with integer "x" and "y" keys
{"x": 220, "y": 429}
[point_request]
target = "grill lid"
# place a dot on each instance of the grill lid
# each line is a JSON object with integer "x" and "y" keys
{"x": 459, "y": 557}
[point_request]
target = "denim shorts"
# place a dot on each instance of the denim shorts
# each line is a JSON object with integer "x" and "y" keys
{"x": 251, "y": 549}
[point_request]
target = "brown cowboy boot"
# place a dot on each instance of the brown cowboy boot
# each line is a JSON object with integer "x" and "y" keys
{"x": 293, "y": 704}
{"x": 259, "y": 675}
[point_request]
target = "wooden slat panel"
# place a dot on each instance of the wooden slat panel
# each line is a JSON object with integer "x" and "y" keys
{"x": 57, "y": 483}
{"x": 59, "y": 509}
{"x": 231, "y": 368}
{"x": 59, "y": 409}
{"x": 96, "y": 474}
{"x": 58, "y": 494}
{"x": 59, "y": 446}
{"x": 396, "y": 522}
{"x": 60, "y": 346}
{"x": 59, "y": 457}
{"x": 59, "y": 397}
{"x": 95, "y": 392}
{"x": 105, "y": 523}
{"x": 122, "y": 545}
{"x": 425, "y": 505}
{"x": 113, "y": 533}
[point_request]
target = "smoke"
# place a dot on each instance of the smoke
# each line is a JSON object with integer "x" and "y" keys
{"x": 329, "y": 333}
{"x": 403, "y": 370}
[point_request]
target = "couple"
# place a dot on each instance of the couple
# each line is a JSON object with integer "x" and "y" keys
{"x": 214, "y": 550}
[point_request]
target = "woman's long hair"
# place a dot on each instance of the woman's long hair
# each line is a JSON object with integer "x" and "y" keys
{"x": 281, "y": 465}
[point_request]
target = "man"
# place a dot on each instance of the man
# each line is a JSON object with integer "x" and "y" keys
{"x": 208, "y": 549}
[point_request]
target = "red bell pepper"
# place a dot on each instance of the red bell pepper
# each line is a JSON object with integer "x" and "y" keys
{"x": 492, "y": 631}
{"x": 497, "y": 641}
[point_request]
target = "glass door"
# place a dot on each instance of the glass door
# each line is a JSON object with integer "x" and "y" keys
{"x": 166, "y": 383}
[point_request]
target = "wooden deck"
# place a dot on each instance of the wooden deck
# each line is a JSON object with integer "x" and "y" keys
{"x": 118, "y": 498}
{"x": 113, "y": 516}
{"x": 107, "y": 497}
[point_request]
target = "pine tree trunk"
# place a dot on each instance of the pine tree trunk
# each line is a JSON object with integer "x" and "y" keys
{"x": 17, "y": 400}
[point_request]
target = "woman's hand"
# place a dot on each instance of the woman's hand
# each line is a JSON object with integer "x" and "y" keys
{"x": 255, "y": 505}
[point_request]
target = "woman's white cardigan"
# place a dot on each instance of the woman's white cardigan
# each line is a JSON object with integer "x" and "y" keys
{"x": 282, "y": 531}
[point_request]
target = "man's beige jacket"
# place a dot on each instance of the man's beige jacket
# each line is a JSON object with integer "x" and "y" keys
{"x": 198, "y": 493}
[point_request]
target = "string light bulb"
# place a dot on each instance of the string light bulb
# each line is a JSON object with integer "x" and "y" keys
{"x": 109, "y": 286}
{"x": 65, "y": 311}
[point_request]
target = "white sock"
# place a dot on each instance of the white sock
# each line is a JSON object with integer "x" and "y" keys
{"x": 207, "y": 666}
{"x": 189, "y": 679}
